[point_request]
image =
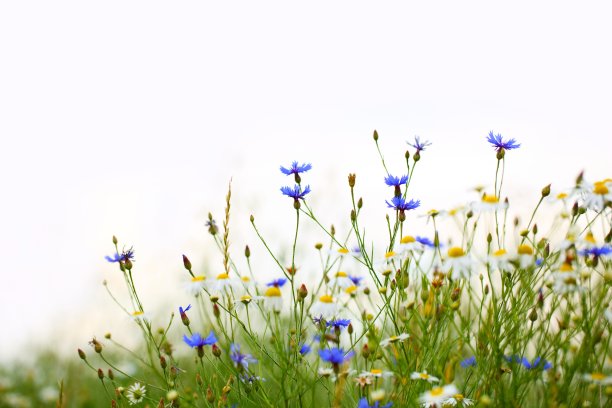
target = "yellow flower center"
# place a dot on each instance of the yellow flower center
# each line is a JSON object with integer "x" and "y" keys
{"x": 453, "y": 211}
{"x": 455, "y": 252}
{"x": 222, "y": 276}
{"x": 597, "y": 376}
{"x": 499, "y": 252}
{"x": 198, "y": 278}
{"x": 459, "y": 397}
{"x": 424, "y": 376}
{"x": 389, "y": 254}
{"x": 432, "y": 212}
{"x": 525, "y": 250}
{"x": 490, "y": 199}
{"x": 326, "y": 299}
{"x": 376, "y": 371}
{"x": 137, "y": 313}
{"x": 351, "y": 289}
{"x": 273, "y": 291}
{"x": 436, "y": 391}
{"x": 343, "y": 251}
{"x": 561, "y": 196}
{"x": 246, "y": 279}
{"x": 245, "y": 298}
{"x": 408, "y": 239}
{"x": 341, "y": 275}
{"x": 590, "y": 238}
{"x": 566, "y": 267}
{"x": 600, "y": 188}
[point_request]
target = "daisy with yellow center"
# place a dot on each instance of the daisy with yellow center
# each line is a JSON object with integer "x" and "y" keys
{"x": 272, "y": 299}
{"x": 409, "y": 243}
{"x": 525, "y": 256}
{"x": 195, "y": 284}
{"x": 500, "y": 260}
{"x": 377, "y": 373}
{"x": 394, "y": 339}
{"x": 596, "y": 196}
{"x": 597, "y": 378}
{"x": 341, "y": 279}
{"x": 458, "y": 399}
{"x": 223, "y": 283}
{"x": 566, "y": 280}
{"x": 459, "y": 264}
{"x": 424, "y": 376}
{"x": 489, "y": 203}
{"x": 437, "y": 395}
{"x": 325, "y": 307}
{"x": 140, "y": 316}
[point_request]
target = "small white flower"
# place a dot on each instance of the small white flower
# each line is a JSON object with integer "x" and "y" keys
{"x": 394, "y": 339}
{"x": 342, "y": 280}
{"x": 488, "y": 203}
{"x": 325, "y": 307}
{"x": 566, "y": 280}
{"x": 223, "y": 283}
{"x": 376, "y": 373}
{"x": 139, "y": 316}
{"x": 525, "y": 256}
{"x": 135, "y": 393}
{"x": 459, "y": 264}
{"x": 458, "y": 399}
{"x": 272, "y": 299}
{"x": 597, "y": 378}
{"x": 437, "y": 395}
{"x": 424, "y": 376}
{"x": 500, "y": 260}
{"x": 195, "y": 285}
{"x": 595, "y": 196}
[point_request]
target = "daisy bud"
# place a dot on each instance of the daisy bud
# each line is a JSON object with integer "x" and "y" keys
{"x": 516, "y": 221}
{"x": 581, "y": 210}
{"x": 469, "y": 214}
{"x": 82, "y": 354}
{"x": 107, "y": 336}
{"x": 546, "y": 191}
{"x": 111, "y": 375}
{"x": 424, "y": 295}
{"x": 247, "y": 251}
{"x": 162, "y": 362}
{"x": 252, "y": 218}
{"x": 100, "y": 374}
{"x": 115, "y": 240}
{"x": 216, "y": 350}
{"x": 351, "y": 180}
{"x": 318, "y": 246}
{"x": 366, "y": 291}
{"x": 579, "y": 178}
{"x": 302, "y": 292}
{"x": 489, "y": 238}
{"x": 186, "y": 263}
{"x": 533, "y": 316}
{"x": 524, "y": 233}
{"x": 375, "y": 136}
{"x": 210, "y": 397}
{"x": 360, "y": 202}
{"x": 96, "y": 345}
{"x": 393, "y": 284}
{"x": 353, "y": 215}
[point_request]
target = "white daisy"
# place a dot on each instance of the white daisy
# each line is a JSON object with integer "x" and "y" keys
{"x": 437, "y": 395}
{"x": 424, "y": 376}
{"x": 272, "y": 299}
{"x": 458, "y": 399}
{"x": 566, "y": 280}
{"x": 223, "y": 283}
{"x": 341, "y": 279}
{"x": 597, "y": 195}
{"x": 525, "y": 256}
{"x": 459, "y": 264}
{"x": 597, "y": 378}
{"x": 488, "y": 203}
{"x": 325, "y": 307}
{"x": 135, "y": 393}
{"x": 499, "y": 260}
{"x": 195, "y": 285}
{"x": 376, "y": 373}
{"x": 394, "y": 339}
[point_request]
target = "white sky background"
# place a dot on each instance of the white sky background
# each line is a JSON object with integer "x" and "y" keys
{"x": 130, "y": 117}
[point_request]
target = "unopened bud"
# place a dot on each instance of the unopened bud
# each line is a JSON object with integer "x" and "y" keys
{"x": 302, "y": 292}
{"x": 407, "y": 155}
{"x": 351, "y": 180}
{"x": 252, "y": 218}
{"x": 375, "y": 136}
{"x": 546, "y": 191}
{"x": 332, "y": 230}
{"x": 247, "y": 251}
{"x": 216, "y": 350}
{"x": 161, "y": 403}
{"x": 82, "y": 354}
{"x": 360, "y": 202}
{"x": 216, "y": 311}
{"x": 486, "y": 289}
{"x": 199, "y": 379}
{"x": 111, "y": 375}
{"x": 417, "y": 156}
{"x": 162, "y": 362}
{"x": 296, "y": 204}
{"x": 127, "y": 264}
{"x": 353, "y": 215}
{"x": 115, "y": 240}
{"x": 455, "y": 294}
{"x": 469, "y": 214}
{"x": 172, "y": 395}
{"x": 533, "y": 316}
{"x": 318, "y": 246}
{"x": 349, "y": 329}
{"x": 186, "y": 263}
{"x": 500, "y": 154}
{"x": 489, "y": 237}
{"x": 210, "y": 397}
{"x": 535, "y": 229}
{"x": 100, "y": 374}
{"x": 365, "y": 351}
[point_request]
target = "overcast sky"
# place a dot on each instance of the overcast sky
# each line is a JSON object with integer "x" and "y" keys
{"x": 130, "y": 118}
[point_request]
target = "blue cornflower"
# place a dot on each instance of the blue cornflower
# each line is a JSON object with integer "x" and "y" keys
{"x": 363, "y": 403}
{"x": 425, "y": 241}
{"x": 400, "y": 203}
{"x": 239, "y": 359}
{"x": 305, "y": 349}
{"x": 393, "y": 181}
{"x": 468, "y": 362}
{"x": 335, "y": 355}
{"x": 338, "y": 323}
{"x": 356, "y": 279}
{"x": 537, "y": 363}
{"x": 124, "y": 256}
{"x": 196, "y": 340}
{"x": 277, "y": 283}
{"x": 295, "y": 192}
{"x": 182, "y": 311}
{"x": 418, "y": 145}
{"x": 318, "y": 320}
{"x": 296, "y": 168}
{"x": 596, "y": 252}
{"x": 499, "y": 144}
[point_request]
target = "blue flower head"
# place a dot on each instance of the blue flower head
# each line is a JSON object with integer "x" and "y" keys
{"x": 296, "y": 168}
{"x": 499, "y": 144}
{"x": 538, "y": 362}
{"x": 240, "y": 360}
{"x": 277, "y": 283}
{"x": 182, "y": 311}
{"x": 335, "y": 355}
{"x": 338, "y": 323}
{"x": 393, "y": 181}
{"x": 196, "y": 340}
{"x": 400, "y": 203}
{"x": 124, "y": 256}
{"x": 425, "y": 241}
{"x": 356, "y": 279}
{"x": 596, "y": 252}
{"x": 296, "y": 192}
{"x": 363, "y": 403}
{"x": 305, "y": 349}
{"x": 418, "y": 145}
{"x": 468, "y": 362}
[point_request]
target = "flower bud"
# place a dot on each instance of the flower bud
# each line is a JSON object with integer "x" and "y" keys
{"x": 489, "y": 238}
{"x": 186, "y": 263}
{"x": 349, "y": 329}
{"x": 216, "y": 311}
{"x": 533, "y": 316}
{"x": 100, "y": 374}
{"x": 546, "y": 191}
{"x": 417, "y": 156}
{"x": 535, "y": 229}
{"x": 82, "y": 354}
{"x": 216, "y": 350}
{"x": 318, "y": 246}
{"x": 210, "y": 397}
{"x": 375, "y": 136}
{"x": 247, "y": 251}
{"x": 172, "y": 395}
{"x": 199, "y": 379}
{"x": 360, "y": 202}
{"x": 302, "y": 292}
{"x": 500, "y": 154}
{"x": 353, "y": 215}
{"x": 251, "y": 218}
{"x": 365, "y": 351}
{"x": 111, "y": 375}
{"x": 407, "y": 154}
{"x": 351, "y": 180}
{"x": 162, "y": 362}
{"x": 115, "y": 240}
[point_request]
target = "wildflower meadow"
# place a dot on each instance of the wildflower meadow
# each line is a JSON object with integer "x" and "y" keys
{"x": 480, "y": 308}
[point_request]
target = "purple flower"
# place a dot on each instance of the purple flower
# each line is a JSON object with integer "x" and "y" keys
{"x": 124, "y": 256}
{"x": 305, "y": 349}
{"x": 338, "y": 323}
{"x": 393, "y": 181}
{"x": 295, "y": 192}
{"x": 425, "y": 241}
{"x": 537, "y": 363}
{"x": 239, "y": 359}
{"x": 363, "y": 403}
{"x": 468, "y": 362}
{"x": 596, "y": 252}
{"x": 277, "y": 283}
{"x": 400, "y": 203}
{"x": 335, "y": 355}
{"x": 499, "y": 144}
{"x": 196, "y": 340}
{"x": 296, "y": 168}
{"x": 355, "y": 279}
{"x": 418, "y": 145}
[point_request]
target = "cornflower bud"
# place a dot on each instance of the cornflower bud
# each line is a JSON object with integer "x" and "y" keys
{"x": 111, "y": 375}
{"x": 546, "y": 191}
{"x": 162, "y": 362}
{"x": 199, "y": 379}
{"x": 360, "y": 202}
{"x": 100, "y": 374}
{"x": 186, "y": 263}
{"x": 407, "y": 155}
{"x": 533, "y": 316}
{"x": 216, "y": 311}
{"x": 96, "y": 345}
{"x": 349, "y": 329}
{"x": 375, "y": 136}
{"x": 302, "y": 292}
{"x": 353, "y": 215}
{"x": 216, "y": 350}
{"x": 127, "y": 264}
{"x": 82, "y": 354}
{"x": 417, "y": 156}
{"x": 247, "y": 251}
{"x": 115, "y": 240}
{"x": 210, "y": 397}
{"x": 535, "y": 229}
{"x": 365, "y": 351}
{"x": 500, "y": 154}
